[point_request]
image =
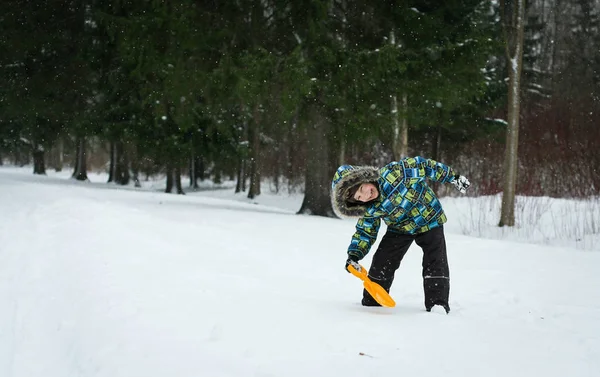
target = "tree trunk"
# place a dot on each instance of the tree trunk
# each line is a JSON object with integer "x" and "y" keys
{"x": 254, "y": 189}
{"x": 119, "y": 164}
{"x": 242, "y": 173}
{"x": 404, "y": 127}
{"x": 113, "y": 162}
{"x": 514, "y": 26}
{"x": 557, "y": 29}
{"x": 135, "y": 167}
{"x": 193, "y": 169}
{"x": 169, "y": 188}
{"x": 59, "y": 155}
{"x": 177, "y": 177}
{"x": 80, "y": 172}
{"x": 400, "y": 129}
{"x": 201, "y": 173}
{"x": 395, "y": 129}
{"x": 437, "y": 146}
{"x": 318, "y": 175}
{"x": 38, "y": 160}
{"x": 342, "y": 151}
{"x": 218, "y": 175}
{"x": 437, "y": 155}
{"x": 122, "y": 175}
{"x": 277, "y": 175}
{"x": 240, "y": 186}
{"x": 174, "y": 178}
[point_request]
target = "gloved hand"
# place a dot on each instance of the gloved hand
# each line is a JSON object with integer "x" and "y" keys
{"x": 461, "y": 183}
{"x": 352, "y": 260}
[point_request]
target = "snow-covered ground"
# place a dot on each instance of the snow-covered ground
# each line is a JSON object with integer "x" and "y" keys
{"x": 101, "y": 281}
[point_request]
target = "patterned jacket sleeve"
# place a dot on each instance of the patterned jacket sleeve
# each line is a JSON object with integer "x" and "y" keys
{"x": 436, "y": 171}
{"x": 364, "y": 237}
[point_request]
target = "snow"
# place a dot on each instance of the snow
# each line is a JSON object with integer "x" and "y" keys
{"x": 97, "y": 280}
{"x": 498, "y": 120}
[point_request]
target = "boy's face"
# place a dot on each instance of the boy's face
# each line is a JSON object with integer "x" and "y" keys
{"x": 366, "y": 192}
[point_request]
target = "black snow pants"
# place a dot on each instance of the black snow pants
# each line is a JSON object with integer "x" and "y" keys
{"x": 436, "y": 275}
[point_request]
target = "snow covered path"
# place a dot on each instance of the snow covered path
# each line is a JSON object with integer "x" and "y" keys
{"x": 118, "y": 283}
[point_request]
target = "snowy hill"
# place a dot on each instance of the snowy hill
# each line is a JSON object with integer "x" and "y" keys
{"x": 99, "y": 282}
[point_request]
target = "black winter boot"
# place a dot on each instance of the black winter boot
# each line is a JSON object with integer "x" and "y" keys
{"x": 445, "y": 306}
{"x": 436, "y": 274}
{"x": 437, "y": 289}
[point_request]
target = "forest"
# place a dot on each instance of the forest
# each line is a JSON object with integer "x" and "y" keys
{"x": 506, "y": 92}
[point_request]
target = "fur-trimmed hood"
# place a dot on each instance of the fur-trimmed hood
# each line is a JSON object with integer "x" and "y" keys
{"x": 345, "y": 178}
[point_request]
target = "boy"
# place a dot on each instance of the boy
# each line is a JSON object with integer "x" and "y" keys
{"x": 399, "y": 195}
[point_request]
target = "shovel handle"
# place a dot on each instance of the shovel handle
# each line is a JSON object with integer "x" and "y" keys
{"x": 361, "y": 274}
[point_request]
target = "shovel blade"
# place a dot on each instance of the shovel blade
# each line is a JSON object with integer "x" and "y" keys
{"x": 379, "y": 294}
{"x": 375, "y": 290}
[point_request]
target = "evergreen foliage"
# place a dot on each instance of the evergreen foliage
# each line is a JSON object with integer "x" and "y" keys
{"x": 266, "y": 88}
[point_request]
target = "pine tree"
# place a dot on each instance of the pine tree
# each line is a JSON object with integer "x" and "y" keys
{"x": 44, "y": 70}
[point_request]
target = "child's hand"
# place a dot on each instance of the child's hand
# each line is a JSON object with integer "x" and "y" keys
{"x": 461, "y": 183}
{"x": 352, "y": 260}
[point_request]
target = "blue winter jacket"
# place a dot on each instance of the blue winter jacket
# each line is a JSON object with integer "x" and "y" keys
{"x": 405, "y": 202}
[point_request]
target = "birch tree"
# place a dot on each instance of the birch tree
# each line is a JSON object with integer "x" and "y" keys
{"x": 513, "y": 22}
{"x": 399, "y": 122}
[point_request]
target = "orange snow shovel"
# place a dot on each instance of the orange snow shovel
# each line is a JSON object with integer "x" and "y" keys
{"x": 379, "y": 294}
